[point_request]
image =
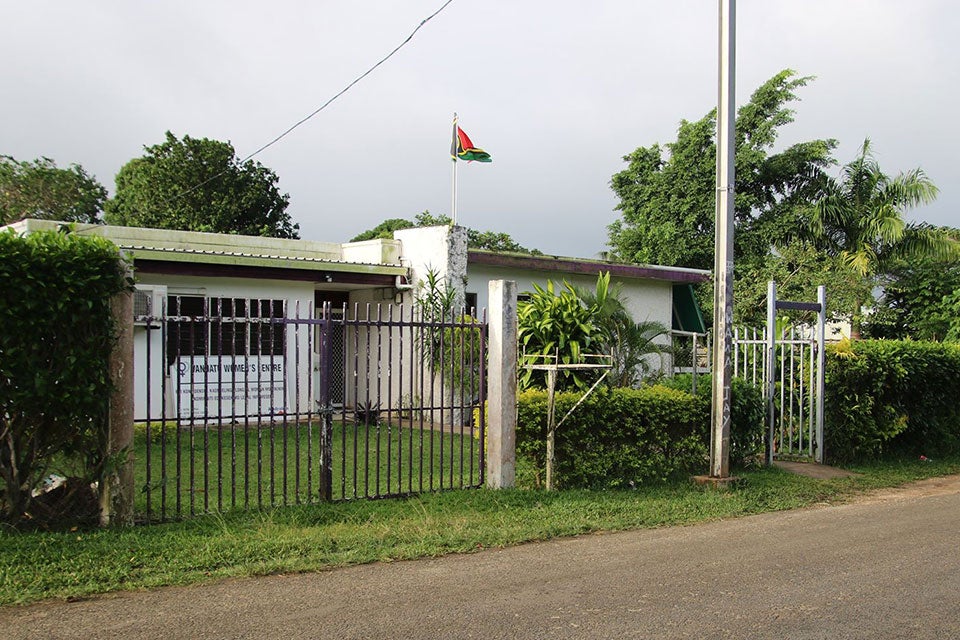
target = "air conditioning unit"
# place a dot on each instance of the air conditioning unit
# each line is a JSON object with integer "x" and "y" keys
{"x": 148, "y": 302}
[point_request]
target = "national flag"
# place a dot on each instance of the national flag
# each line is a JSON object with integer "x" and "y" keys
{"x": 462, "y": 148}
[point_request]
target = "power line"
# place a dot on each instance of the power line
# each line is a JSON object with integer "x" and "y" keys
{"x": 321, "y": 107}
{"x": 348, "y": 87}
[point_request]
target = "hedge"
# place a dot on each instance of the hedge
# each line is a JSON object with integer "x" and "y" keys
{"x": 56, "y": 334}
{"x": 889, "y": 397}
{"x": 620, "y": 438}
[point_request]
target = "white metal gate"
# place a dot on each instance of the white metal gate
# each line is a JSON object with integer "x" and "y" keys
{"x": 786, "y": 361}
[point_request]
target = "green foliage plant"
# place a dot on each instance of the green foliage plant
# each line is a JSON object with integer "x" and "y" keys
{"x": 890, "y": 397}
{"x": 622, "y": 438}
{"x": 747, "y": 414}
{"x": 199, "y": 184}
{"x": 56, "y": 335}
{"x": 41, "y": 190}
{"x": 617, "y": 438}
{"x": 635, "y": 347}
{"x": 860, "y": 219}
{"x": 555, "y": 327}
{"x": 918, "y": 300}
{"x": 666, "y": 193}
{"x": 449, "y": 342}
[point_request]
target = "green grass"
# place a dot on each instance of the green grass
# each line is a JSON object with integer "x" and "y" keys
{"x": 36, "y": 566}
{"x": 208, "y": 469}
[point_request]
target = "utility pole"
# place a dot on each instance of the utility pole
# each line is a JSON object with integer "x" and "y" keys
{"x": 723, "y": 246}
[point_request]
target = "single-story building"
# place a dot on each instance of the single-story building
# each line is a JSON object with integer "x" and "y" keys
{"x": 234, "y": 283}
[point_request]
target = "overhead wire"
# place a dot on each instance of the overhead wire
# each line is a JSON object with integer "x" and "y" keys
{"x": 318, "y": 109}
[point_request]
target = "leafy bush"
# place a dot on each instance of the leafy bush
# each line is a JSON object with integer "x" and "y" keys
{"x": 891, "y": 397}
{"x": 747, "y": 414}
{"x": 56, "y": 334}
{"x": 617, "y": 438}
{"x": 555, "y": 327}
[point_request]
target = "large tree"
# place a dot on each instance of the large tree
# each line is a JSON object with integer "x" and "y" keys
{"x": 199, "y": 184}
{"x": 40, "y": 189}
{"x": 798, "y": 268}
{"x": 917, "y": 299}
{"x": 860, "y": 219}
{"x": 668, "y": 193}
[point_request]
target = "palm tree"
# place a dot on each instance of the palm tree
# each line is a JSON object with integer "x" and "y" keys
{"x": 633, "y": 345}
{"x": 860, "y": 219}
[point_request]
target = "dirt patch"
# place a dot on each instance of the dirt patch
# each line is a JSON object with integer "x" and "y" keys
{"x": 945, "y": 485}
{"x": 812, "y": 470}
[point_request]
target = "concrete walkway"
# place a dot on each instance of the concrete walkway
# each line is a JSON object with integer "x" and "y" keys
{"x": 813, "y": 470}
{"x": 885, "y": 567}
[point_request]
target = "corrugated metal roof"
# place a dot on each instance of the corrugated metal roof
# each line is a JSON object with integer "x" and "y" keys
{"x": 238, "y": 254}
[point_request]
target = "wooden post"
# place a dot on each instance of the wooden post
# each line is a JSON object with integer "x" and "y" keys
{"x": 116, "y": 484}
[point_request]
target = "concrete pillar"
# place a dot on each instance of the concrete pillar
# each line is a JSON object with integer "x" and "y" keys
{"x": 117, "y": 484}
{"x": 502, "y": 385}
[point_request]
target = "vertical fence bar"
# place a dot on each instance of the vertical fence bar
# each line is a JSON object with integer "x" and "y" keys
{"x": 821, "y": 363}
{"x": 313, "y": 364}
{"x": 413, "y": 334}
{"x": 770, "y": 359}
{"x": 326, "y": 404}
{"x": 298, "y": 373}
{"x": 794, "y": 345}
{"x": 220, "y": 382}
{"x": 810, "y": 394}
{"x": 149, "y": 408}
{"x": 390, "y": 408}
{"x": 164, "y": 369}
{"x": 796, "y": 376}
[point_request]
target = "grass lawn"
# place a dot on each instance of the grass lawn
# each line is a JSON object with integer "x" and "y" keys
{"x": 206, "y": 469}
{"x": 36, "y": 566}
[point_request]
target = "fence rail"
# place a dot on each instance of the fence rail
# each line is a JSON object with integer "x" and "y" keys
{"x": 794, "y": 379}
{"x": 246, "y": 403}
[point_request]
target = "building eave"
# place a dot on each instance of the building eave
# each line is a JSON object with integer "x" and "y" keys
{"x": 561, "y": 264}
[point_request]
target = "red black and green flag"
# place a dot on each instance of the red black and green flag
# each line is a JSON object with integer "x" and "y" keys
{"x": 462, "y": 148}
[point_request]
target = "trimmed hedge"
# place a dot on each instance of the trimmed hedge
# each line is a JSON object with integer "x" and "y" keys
{"x": 891, "y": 397}
{"x": 56, "y": 334}
{"x": 620, "y": 438}
{"x": 747, "y": 414}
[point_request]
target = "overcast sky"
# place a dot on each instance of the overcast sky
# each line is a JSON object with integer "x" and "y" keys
{"x": 556, "y": 91}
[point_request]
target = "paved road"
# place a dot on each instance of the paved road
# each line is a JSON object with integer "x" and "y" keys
{"x": 886, "y": 567}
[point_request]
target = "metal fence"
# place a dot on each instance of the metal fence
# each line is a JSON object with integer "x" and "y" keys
{"x": 245, "y": 403}
{"x": 789, "y": 387}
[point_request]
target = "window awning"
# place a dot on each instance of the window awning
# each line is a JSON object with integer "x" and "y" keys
{"x": 686, "y": 311}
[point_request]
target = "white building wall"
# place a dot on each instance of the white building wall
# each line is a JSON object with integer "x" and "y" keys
{"x": 300, "y": 343}
{"x": 645, "y": 299}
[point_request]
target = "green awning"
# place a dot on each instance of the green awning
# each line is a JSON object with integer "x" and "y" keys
{"x": 686, "y": 311}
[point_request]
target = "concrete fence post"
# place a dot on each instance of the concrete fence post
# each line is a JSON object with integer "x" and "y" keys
{"x": 117, "y": 484}
{"x": 502, "y": 385}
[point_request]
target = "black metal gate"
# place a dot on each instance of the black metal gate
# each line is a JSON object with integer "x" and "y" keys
{"x": 246, "y": 403}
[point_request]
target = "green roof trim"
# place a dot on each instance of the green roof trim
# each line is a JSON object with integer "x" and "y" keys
{"x": 686, "y": 312}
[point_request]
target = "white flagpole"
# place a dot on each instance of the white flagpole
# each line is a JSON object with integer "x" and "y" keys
{"x": 453, "y": 156}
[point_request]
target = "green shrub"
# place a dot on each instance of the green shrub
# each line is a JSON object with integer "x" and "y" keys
{"x": 747, "y": 414}
{"x": 56, "y": 334}
{"x": 617, "y": 438}
{"x": 555, "y": 327}
{"x": 891, "y": 397}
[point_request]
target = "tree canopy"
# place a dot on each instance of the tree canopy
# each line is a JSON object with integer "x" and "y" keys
{"x": 918, "y": 300}
{"x": 40, "y": 189}
{"x": 667, "y": 192}
{"x": 490, "y": 240}
{"x": 199, "y": 184}
{"x": 860, "y": 219}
